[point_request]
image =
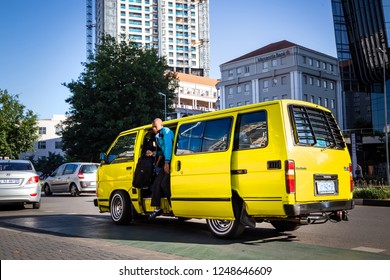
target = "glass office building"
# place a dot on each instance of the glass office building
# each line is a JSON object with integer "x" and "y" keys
{"x": 362, "y": 37}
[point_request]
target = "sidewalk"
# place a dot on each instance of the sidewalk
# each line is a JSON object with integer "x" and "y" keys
{"x": 20, "y": 244}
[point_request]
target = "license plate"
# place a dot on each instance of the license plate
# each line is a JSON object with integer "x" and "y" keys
{"x": 9, "y": 181}
{"x": 326, "y": 187}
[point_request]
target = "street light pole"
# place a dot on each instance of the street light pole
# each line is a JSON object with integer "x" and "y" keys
{"x": 165, "y": 105}
{"x": 385, "y": 101}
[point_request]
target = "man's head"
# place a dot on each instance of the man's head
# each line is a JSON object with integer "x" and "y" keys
{"x": 157, "y": 125}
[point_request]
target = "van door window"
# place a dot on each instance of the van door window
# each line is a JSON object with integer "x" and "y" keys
{"x": 123, "y": 149}
{"x": 251, "y": 131}
{"x": 206, "y": 136}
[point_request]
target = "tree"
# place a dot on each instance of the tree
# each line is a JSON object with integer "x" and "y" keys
{"x": 18, "y": 126}
{"x": 48, "y": 164}
{"x": 118, "y": 90}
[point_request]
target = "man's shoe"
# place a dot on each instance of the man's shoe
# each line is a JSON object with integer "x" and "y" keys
{"x": 156, "y": 213}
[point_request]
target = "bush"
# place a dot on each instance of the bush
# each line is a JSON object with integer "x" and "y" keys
{"x": 372, "y": 193}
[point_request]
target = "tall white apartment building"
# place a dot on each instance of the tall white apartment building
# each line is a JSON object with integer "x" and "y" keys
{"x": 177, "y": 29}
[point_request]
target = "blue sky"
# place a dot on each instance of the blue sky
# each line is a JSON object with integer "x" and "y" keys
{"x": 43, "y": 42}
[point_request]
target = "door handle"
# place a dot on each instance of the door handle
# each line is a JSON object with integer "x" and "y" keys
{"x": 128, "y": 168}
{"x": 178, "y": 165}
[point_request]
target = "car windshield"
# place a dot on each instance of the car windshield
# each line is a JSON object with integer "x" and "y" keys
{"x": 12, "y": 166}
{"x": 88, "y": 168}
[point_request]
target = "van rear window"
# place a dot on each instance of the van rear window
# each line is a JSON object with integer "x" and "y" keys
{"x": 315, "y": 127}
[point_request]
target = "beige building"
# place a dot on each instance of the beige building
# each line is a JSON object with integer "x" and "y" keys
{"x": 195, "y": 95}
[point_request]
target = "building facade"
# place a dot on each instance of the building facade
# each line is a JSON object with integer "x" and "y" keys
{"x": 177, "y": 29}
{"x": 49, "y": 138}
{"x": 361, "y": 33}
{"x": 281, "y": 70}
{"x": 195, "y": 95}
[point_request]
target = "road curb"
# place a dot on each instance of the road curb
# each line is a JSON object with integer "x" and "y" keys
{"x": 372, "y": 202}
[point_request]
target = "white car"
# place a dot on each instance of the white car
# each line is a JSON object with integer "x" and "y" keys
{"x": 73, "y": 178}
{"x": 19, "y": 183}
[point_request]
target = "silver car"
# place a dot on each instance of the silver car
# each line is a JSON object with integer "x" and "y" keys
{"x": 73, "y": 178}
{"x": 19, "y": 183}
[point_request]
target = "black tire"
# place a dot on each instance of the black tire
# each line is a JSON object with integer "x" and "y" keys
{"x": 74, "y": 191}
{"x": 283, "y": 226}
{"x": 36, "y": 205}
{"x": 120, "y": 208}
{"x": 225, "y": 228}
{"x": 47, "y": 190}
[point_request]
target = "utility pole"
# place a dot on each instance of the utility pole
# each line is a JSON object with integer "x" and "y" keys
{"x": 385, "y": 101}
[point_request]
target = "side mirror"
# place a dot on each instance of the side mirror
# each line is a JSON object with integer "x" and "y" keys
{"x": 102, "y": 158}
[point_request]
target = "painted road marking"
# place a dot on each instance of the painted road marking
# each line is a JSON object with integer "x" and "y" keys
{"x": 368, "y": 249}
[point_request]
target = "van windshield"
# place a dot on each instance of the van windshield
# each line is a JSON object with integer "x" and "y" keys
{"x": 315, "y": 127}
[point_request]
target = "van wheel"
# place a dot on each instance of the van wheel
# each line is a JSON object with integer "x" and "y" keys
{"x": 225, "y": 228}
{"x": 282, "y": 226}
{"x": 74, "y": 191}
{"x": 120, "y": 208}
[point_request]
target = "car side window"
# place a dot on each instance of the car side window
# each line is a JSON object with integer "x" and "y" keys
{"x": 123, "y": 150}
{"x": 70, "y": 169}
{"x": 251, "y": 131}
{"x": 205, "y": 136}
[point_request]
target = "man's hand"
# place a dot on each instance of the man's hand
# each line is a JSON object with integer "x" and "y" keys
{"x": 149, "y": 153}
{"x": 166, "y": 167}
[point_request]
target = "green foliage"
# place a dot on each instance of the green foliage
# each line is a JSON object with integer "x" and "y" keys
{"x": 118, "y": 90}
{"x": 47, "y": 165}
{"x": 18, "y": 126}
{"x": 372, "y": 193}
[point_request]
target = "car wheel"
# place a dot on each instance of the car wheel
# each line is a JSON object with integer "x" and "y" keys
{"x": 282, "y": 226}
{"x": 36, "y": 205}
{"x": 46, "y": 189}
{"x": 74, "y": 191}
{"x": 120, "y": 208}
{"x": 225, "y": 228}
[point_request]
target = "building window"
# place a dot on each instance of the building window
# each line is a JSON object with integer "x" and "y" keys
{"x": 312, "y": 98}
{"x": 41, "y": 145}
{"x": 247, "y": 69}
{"x": 318, "y": 82}
{"x": 42, "y": 130}
{"x": 326, "y": 102}
{"x": 318, "y": 63}
{"x": 305, "y": 97}
{"x": 331, "y": 85}
{"x": 332, "y": 104}
{"x": 239, "y": 89}
{"x": 265, "y": 65}
{"x": 230, "y": 73}
{"x": 284, "y": 96}
{"x": 274, "y": 63}
{"x": 247, "y": 88}
{"x": 325, "y": 84}
{"x": 265, "y": 84}
{"x": 304, "y": 59}
{"x": 305, "y": 79}
{"x": 311, "y": 81}
{"x": 58, "y": 145}
{"x": 284, "y": 80}
{"x": 238, "y": 70}
{"x": 274, "y": 82}
{"x": 319, "y": 100}
{"x": 239, "y": 103}
{"x": 310, "y": 61}
{"x": 230, "y": 90}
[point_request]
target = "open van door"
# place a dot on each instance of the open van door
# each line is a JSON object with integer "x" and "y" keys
{"x": 200, "y": 169}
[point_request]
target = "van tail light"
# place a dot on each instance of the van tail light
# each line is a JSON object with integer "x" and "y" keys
{"x": 80, "y": 175}
{"x": 33, "y": 180}
{"x": 351, "y": 184}
{"x": 290, "y": 176}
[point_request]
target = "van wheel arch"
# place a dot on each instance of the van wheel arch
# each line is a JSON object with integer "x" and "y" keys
{"x": 120, "y": 207}
{"x": 228, "y": 228}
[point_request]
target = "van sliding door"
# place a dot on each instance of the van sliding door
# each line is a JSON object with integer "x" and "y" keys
{"x": 200, "y": 176}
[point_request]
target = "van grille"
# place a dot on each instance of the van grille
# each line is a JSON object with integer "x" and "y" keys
{"x": 315, "y": 127}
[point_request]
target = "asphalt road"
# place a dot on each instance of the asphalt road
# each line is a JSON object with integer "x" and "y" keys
{"x": 70, "y": 228}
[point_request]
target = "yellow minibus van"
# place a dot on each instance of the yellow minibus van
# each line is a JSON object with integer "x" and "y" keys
{"x": 284, "y": 162}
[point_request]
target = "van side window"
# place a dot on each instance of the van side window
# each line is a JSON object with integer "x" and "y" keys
{"x": 251, "y": 131}
{"x": 206, "y": 136}
{"x": 123, "y": 149}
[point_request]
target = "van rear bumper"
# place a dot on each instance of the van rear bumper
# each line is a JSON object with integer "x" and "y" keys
{"x": 308, "y": 208}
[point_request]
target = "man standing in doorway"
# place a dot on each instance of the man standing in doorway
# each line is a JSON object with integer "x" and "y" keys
{"x": 161, "y": 186}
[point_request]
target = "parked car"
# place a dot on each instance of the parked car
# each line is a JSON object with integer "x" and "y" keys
{"x": 19, "y": 183}
{"x": 73, "y": 178}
